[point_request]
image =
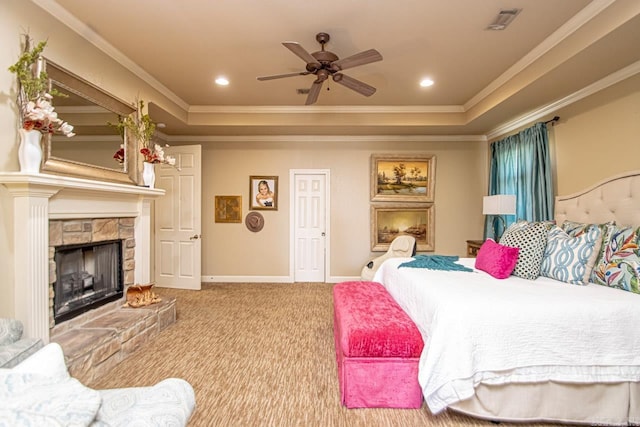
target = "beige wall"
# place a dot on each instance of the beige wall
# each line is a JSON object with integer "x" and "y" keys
{"x": 232, "y": 250}
{"x": 598, "y": 137}
{"x": 595, "y": 138}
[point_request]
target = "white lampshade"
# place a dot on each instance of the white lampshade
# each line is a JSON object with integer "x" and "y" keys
{"x": 500, "y": 204}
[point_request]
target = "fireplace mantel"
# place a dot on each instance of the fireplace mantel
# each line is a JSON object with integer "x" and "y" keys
{"x": 37, "y": 198}
{"x": 73, "y": 182}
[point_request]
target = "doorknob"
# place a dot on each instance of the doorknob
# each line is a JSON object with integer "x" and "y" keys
{"x": 195, "y": 237}
{"x": 323, "y": 234}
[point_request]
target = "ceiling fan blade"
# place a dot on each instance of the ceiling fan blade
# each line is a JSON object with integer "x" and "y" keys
{"x": 354, "y": 84}
{"x": 322, "y": 75}
{"x": 302, "y": 53}
{"x": 365, "y": 57}
{"x": 314, "y": 92}
{"x": 280, "y": 76}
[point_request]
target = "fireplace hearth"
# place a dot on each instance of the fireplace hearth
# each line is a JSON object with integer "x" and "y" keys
{"x": 88, "y": 276}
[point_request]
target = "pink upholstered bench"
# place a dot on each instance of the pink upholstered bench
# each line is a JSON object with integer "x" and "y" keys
{"x": 377, "y": 348}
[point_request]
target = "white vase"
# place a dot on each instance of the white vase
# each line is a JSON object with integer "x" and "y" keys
{"x": 148, "y": 175}
{"x": 30, "y": 151}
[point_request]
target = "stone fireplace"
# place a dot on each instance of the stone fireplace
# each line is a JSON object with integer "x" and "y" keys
{"x": 91, "y": 261}
{"x": 52, "y": 210}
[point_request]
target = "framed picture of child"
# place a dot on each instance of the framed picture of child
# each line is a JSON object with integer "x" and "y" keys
{"x": 263, "y": 192}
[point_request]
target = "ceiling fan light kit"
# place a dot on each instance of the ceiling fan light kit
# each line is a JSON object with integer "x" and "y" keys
{"x": 324, "y": 64}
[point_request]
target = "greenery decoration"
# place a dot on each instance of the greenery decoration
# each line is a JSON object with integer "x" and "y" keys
{"x": 142, "y": 128}
{"x": 34, "y": 96}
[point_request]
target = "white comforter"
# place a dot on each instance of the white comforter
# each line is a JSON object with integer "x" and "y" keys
{"x": 480, "y": 329}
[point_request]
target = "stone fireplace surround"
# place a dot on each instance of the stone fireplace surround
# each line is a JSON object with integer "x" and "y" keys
{"x": 87, "y": 231}
{"x": 41, "y": 198}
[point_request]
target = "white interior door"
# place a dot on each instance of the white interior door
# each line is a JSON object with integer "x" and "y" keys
{"x": 178, "y": 220}
{"x": 310, "y": 218}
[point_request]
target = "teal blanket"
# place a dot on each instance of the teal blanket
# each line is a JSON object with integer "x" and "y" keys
{"x": 436, "y": 262}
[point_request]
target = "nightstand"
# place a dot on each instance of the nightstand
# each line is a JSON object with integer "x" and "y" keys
{"x": 473, "y": 246}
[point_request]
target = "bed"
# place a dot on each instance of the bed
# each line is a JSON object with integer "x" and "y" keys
{"x": 517, "y": 349}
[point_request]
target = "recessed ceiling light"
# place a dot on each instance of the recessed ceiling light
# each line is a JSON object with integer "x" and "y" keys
{"x": 222, "y": 81}
{"x": 426, "y": 82}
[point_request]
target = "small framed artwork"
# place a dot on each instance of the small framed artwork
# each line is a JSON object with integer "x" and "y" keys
{"x": 389, "y": 222}
{"x": 228, "y": 208}
{"x": 263, "y": 192}
{"x": 402, "y": 178}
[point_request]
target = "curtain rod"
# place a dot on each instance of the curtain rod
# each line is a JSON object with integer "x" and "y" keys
{"x": 552, "y": 121}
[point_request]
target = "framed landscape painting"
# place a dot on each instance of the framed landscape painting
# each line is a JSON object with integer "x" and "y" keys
{"x": 228, "y": 208}
{"x": 402, "y": 178}
{"x": 389, "y": 222}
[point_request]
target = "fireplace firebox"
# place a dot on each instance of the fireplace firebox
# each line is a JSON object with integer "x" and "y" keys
{"x": 87, "y": 276}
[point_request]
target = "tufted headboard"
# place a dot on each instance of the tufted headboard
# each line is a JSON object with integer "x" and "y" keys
{"x": 614, "y": 199}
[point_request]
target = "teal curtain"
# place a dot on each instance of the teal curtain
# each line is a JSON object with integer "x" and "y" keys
{"x": 520, "y": 165}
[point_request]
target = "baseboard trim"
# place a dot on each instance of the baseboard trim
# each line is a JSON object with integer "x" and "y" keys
{"x": 268, "y": 279}
{"x": 246, "y": 279}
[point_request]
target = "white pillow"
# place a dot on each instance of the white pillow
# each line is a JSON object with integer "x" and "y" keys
{"x": 48, "y": 361}
{"x": 38, "y": 400}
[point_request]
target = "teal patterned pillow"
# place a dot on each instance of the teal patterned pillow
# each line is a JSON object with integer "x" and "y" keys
{"x": 531, "y": 238}
{"x": 576, "y": 229}
{"x": 566, "y": 258}
{"x": 619, "y": 242}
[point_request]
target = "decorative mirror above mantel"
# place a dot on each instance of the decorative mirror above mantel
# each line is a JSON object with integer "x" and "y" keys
{"x": 90, "y": 153}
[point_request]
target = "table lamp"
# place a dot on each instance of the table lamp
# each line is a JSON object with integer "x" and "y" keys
{"x": 498, "y": 205}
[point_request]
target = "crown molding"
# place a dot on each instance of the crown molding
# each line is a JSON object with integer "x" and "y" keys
{"x": 582, "y": 17}
{"x": 551, "y": 108}
{"x": 325, "y": 138}
{"x": 323, "y": 109}
{"x": 87, "y": 33}
{"x": 503, "y": 129}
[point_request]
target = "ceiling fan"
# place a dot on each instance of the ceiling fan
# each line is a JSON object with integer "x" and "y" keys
{"x": 323, "y": 64}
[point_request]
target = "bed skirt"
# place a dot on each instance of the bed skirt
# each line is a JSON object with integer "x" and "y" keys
{"x": 594, "y": 404}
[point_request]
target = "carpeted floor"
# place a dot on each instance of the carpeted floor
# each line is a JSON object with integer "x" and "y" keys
{"x": 259, "y": 354}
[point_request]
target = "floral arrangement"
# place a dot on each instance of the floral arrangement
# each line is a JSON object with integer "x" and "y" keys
{"x": 156, "y": 155}
{"x": 119, "y": 156}
{"x": 142, "y": 128}
{"x": 34, "y": 97}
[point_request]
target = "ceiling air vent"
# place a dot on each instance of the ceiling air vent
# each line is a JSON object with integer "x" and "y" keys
{"x": 302, "y": 91}
{"x": 503, "y": 19}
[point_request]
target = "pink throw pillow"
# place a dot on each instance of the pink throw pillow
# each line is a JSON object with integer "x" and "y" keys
{"x": 496, "y": 259}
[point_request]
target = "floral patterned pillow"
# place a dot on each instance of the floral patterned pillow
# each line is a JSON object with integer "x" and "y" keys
{"x": 623, "y": 272}
{"x": 620, "y": 249}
